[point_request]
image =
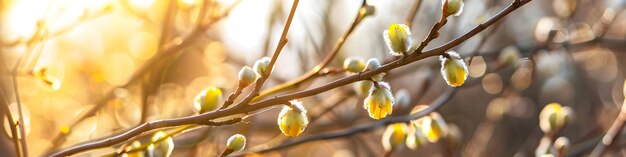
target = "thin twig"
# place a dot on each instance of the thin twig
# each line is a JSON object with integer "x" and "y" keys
{"x": 231, "y": 98}
{"x": 482, "y": 42}
{"x": 329, "y": 57}
{"x": 13, "y": 128}
{"x": 433, "y": 34}
{"x": 22, "y": 135}
{"x": 242, "y": 109}
{"x": 270, "y": 67}
{"x": 412, "y": 13}
{"x": 168, "y": 15}
{"x": 181, "y": 130}
{"x": 5, "y": 102}
{"x": 611, "y": 135}
{"x": 313, "y": 119}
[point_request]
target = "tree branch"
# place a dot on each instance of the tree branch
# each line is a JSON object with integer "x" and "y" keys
{"x": 270, "y": 67}
{"x": 443, "y": 99}
{"x": 315, "y": 71}
{"x": 241, "y": 108}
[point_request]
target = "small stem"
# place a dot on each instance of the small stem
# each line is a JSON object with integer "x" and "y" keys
{"x": 11, "y": 123}
{"x": 168, "y": 17}
{"x": 331, "y": 55}
{"x": 433, "y": 34}
{"x": 226, "y": 152}
{"x": 611, "y": 135}
{"x": 412, "y": 13}
{"x": 5, "y": 101}
{"x": 482, "y": 43}
{"x": 233, "y": 96}
{"x": 22, "y": 134}
{"x": 281, "y": 44}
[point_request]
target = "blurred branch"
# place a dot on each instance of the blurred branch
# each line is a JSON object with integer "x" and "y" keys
{"x": 618, "y": 124}
{"x": 171, "y": 48}
{"x": 168, "y": 16}
{"x": 482, "y": 42}
{"x": 20, "y": 122}
{"x": 412, "y": 13}
{"x": 611, "y": 135}
{"x": 588, "y": 145}
{"x": 607, "y": 25}
{"x": 311, "y": 74}
{"x": 7, "y": 113}
{"x": 276, "y": 11}
{"x": 443, "y": 99}
{"x": 242, "y": 108}
{"x": 5, "y": 98}
{"x": 328, "y": 109}
{"x": 82, "y": 19}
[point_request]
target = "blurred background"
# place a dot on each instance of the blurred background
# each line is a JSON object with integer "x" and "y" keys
{"x": 85, "y": 70}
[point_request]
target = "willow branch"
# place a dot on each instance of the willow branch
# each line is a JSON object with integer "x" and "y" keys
{"x": 231, "y": 98}
{"x": 270, "y": 67}
{"x": 443, "y": 99}
{"x": 176, "y": 132}
{"x": 242, "y": 109}
{"x": 434, "y": 33}
{"x": 315, "y": 71}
